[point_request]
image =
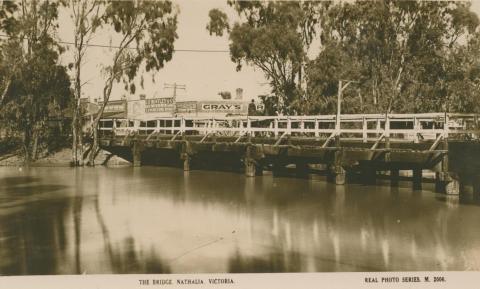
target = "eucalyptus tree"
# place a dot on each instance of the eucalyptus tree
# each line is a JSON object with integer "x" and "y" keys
{"x": 401, "y": 52}
{"x": 146, "y": 32}
{"x": 35, "y": 86}
{"x": 86, "y": 16}
{"x": 275, "y": 37}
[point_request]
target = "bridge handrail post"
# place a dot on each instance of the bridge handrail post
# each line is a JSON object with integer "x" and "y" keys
{"x": 289, "y": 126}
{"x": 416, "y": 128}
{"x": 275, "y": 124}
{"x": 114, "y": 127}
{"x": 476, "y": 126}
{"x": 136, "y": 125}
{"x": 378, "y": 127}
{"x": 182, "y": 125}
{"x": 446, "y": 126}
{"x": 387, "y": 126}
{"x": 364, "y": 129}
{"x": 249, "y": 126}
{"x": 240, "y": 126}
{"x": 316, "y": 128}
{"x": 337, "y": 124}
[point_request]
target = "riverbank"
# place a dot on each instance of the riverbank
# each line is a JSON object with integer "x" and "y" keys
{"x": 62, "y": 158}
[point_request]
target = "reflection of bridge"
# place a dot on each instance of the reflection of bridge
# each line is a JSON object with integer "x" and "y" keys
{"x": 448, "y": 144}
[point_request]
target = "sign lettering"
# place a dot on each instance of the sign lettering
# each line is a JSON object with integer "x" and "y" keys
{"x": 166, "y": 104}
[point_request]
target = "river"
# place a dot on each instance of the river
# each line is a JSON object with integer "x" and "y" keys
{"x": 164, "y": 220}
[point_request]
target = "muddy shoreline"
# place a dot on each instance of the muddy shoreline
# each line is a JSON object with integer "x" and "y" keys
{"x": 62, "y": 158}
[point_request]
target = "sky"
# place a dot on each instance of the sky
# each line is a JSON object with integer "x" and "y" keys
{"x": 204, "y": 74}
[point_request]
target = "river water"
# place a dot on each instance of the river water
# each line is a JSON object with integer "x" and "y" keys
{"x": 162, "y": 220}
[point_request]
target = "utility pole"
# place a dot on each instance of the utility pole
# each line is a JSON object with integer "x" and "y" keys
{"x": 175, "y": 86}
{"x": 339, "y": 100}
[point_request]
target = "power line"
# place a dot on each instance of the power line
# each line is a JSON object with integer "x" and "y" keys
{"x": 175, "y": 86}
{"x": 117, "y": 47}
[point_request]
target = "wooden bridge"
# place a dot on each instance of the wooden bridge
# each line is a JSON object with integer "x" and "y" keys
{"x": 349, "y": 145}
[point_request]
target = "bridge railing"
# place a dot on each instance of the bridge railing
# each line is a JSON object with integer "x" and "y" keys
{"x": 366, "y": 127}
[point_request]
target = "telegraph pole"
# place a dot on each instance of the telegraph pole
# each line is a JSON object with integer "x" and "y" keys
{"x": 341, "y": 87}
{"x": 175, "y": 86}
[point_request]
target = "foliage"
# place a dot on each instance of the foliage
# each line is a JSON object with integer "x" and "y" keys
{"x": 86, "y": 16}
{"x": 275, "y": 37}
{"x": 36, "y": 87}
{"x": 407, "y": 56}
{"x": 147, "y": 30}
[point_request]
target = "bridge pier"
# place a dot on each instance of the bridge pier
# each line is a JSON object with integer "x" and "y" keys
{"x": 185, "y": 157}
{"x": 278, "y": 167}
{"x": 340, "y": 175}
{"x": 445, "y": 181}
{"x": 301, "y": 169}
{"x": 337, "y": 173}
{"x": 250, "y": 168}
{"x": 394, "y": 177}
{"x": 186, "y": 162}
{"x": 452, "y": 187}
{"x": 476, "y": 188}
{"x": 417, "y": 179}
{"x": 368, "y": 174}
{"x": 137, "y": 150}
{"x": 250, "y": 163}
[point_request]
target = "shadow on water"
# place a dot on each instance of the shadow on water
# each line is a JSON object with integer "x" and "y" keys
{"x": 464, "y": 198}
{"x": 127, "y": 260}
{"x": 18, "y": 180}
{"x": 274, "y": 262}
{"x": 30, "y": 190}
{"x": 33, "y": 240}
{"x": 140, "y": 220}
{"x": 123, "y": 257}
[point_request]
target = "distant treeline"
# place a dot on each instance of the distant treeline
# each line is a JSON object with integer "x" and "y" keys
{"x": 40, "y": 107}
{"x": 404, "y": 56}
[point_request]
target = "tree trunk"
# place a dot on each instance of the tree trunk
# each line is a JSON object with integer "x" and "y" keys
{"x": 80, "y": 141}
{"x": 26, "y": 147}
{"x": 74, "y": 138}
{"x": 35, "y": 146}
{"x": 94, "y": 145}
{"x": 5, "y": 90}
{"x": 106, "y": 96}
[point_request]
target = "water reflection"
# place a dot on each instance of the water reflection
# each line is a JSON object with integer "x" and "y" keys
{"x": 162, "y": 220}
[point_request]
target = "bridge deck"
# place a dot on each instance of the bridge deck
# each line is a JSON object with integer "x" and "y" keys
{"x": 445, "y": 143}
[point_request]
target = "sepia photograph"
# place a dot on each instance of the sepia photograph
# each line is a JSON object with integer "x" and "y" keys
{"x": 205, "y": 142}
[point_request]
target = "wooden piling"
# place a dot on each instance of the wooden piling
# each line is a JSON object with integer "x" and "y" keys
{"x": 476, "y": 188}
{"x": 184, "y": 155}
{"x": 445, "y": 181}
{"x": 417, "y": 179}
{"x": 186, "y": 164}
{"x": 452, "y": 187}
{"x": 137, "y": 153}
{"x": 368, "y": 174}
{"x": 250, "y": 164}
{"x": 340, "y": 175}
{"x": 301, "y": 169}
{"x": 394, "y": 177}
{"x": 439, "y": 185}
{"x": 337, "y": 172}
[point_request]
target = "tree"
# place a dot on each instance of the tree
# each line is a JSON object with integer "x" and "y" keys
{"x": 400, "y": 51}
{"x": 10, "y": 56}
{"x": 274, "y": 36}
{"x": 147, "y": 30}
{"x": 86, "y": 17}
{"x": 37, "y": 88}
